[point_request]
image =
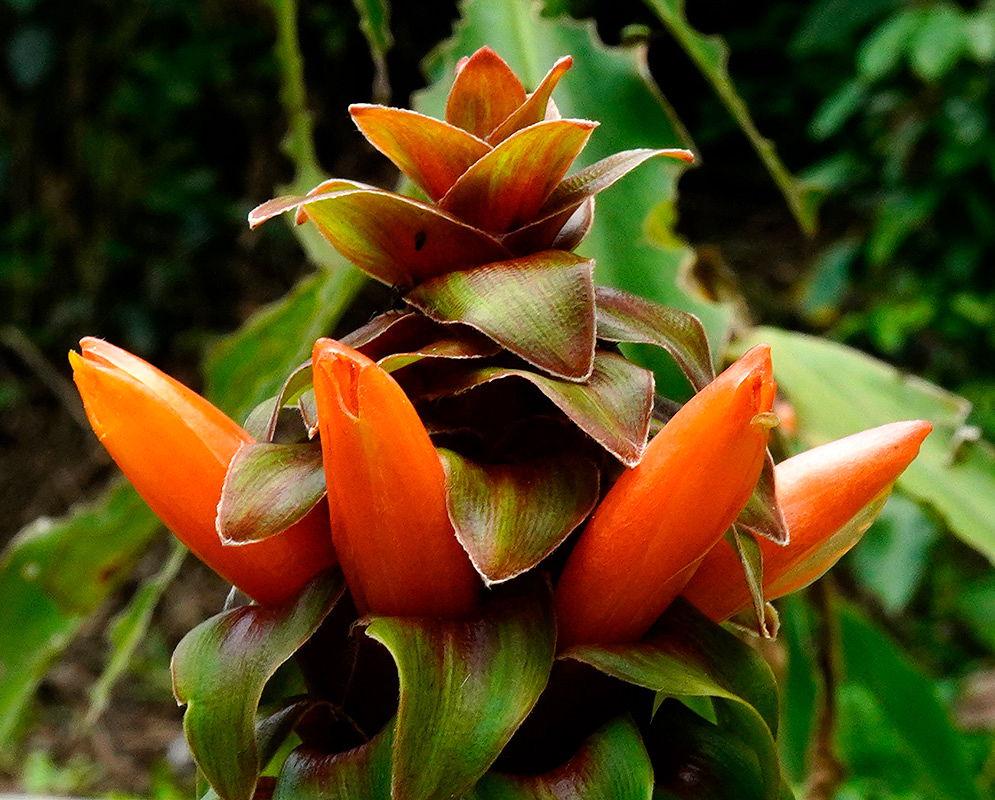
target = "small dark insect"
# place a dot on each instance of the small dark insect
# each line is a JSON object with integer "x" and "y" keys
{"x": 420, "y": 240}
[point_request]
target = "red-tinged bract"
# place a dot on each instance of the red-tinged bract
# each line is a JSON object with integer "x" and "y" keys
{"x": 820, "y": 491}
{"x": 661, "y": 517}
{"x": 174, "y": 446}
{"x": 386, "y": 489}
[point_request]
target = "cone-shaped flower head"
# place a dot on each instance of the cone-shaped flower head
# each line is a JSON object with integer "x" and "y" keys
{"x": 494, "y": 173}
{"x": 820, "y": 491}
{"x": 386, "y": 491}
{"x": 175, "y": 447}
{"x": 661, "y": 517}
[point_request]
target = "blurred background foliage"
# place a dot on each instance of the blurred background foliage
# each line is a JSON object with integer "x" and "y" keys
{"x": 134, "y": 138}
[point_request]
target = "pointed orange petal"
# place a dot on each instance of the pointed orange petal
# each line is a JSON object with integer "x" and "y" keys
{"x": 819, "y": 491}
{"x": 661, "y": 517}
{"x": 506, "y": 188}
{"x": 484, "y": 94}
{"x": 386, "y": 490}
{"x": 430, "y": 152}
{"x": 532, "y": 110}
{"x": 174, "y": 447}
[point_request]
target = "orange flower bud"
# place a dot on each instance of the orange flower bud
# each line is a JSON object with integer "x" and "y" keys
{"x": 387, "y": 495}
{"x": 661, "y": 517}
{"x": 820, "y": 491}
{"x": 175, "y": 447}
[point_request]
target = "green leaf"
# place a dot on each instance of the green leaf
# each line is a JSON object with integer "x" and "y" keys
{"x": 612, "y": 764}
{"x": 956, "y": 478}
{"x": 685, "y": 654}
{"x": 129, "y": 629}
{"x": 220, "y": 669}
{"x": 363, "y": 773}
{"x": 53, "y": 574}
{"x": 939, "y": 43}
{"x": 509, "y": 517}
{"x": 909, "y": 706}
{"x": 696, "y": 758}
{"x": 249, "y": 366}
{"x": 613, "y": 407}
{"x": 505, "y": 189}
{"x": 540, "y": 307}
{"x": 882, "y": 51}
{"x": 800, "y": 687}
{"x": 268, "y": 488}
{"x": 623, "y": 317}
{"x": 374, "y": 22}
{"x": 751, "y": 559}
{"x": 711, "y": 56}
{"x": 762, "y": 514}
{"x": 529, "y": 42}
{"x": 465, "y": 688}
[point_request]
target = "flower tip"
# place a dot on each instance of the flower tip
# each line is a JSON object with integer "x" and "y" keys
{"x": 339, "y": 369}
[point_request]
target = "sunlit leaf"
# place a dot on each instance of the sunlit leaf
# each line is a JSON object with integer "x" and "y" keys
{"x": 508, "y": 517}
{"x": 613, "y": 407}
{"x": 268, "y": 488}
{"x": 506, "y": 188}
{"x": 466, "y": 686}
{"x": 432, "y": 153}
{"x": 612, "y": 764}
{"x": 540, "y": 307}
{"x": 220, "y": 669}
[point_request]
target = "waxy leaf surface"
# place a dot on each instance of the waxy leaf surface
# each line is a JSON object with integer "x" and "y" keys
{"x": 540, "y": 307}
{"x": 220, "y": 669}
{"x": 363, "y": 773}
{"x": 433, "y": 154}
{"x": 687, "y": 655}
{"x": 532, "y": 110}
{"x": 613, "y": 407}
{"x": 506, "y": 188}
{"x": 612, "y": 764}
{"x": 509, "y": 517}
{"x": 485, "y": 93}
{"x": 465, "y": 688}
{"x": 268, "y": 488}
{"x": 398, "y": 240}
{"x": 623, "y": 317}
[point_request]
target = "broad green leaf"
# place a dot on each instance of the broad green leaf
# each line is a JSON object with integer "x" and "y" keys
{"x": 540, "y": 307}
{"x": 534, "y": 109}
{"x": 636, "y": 118}
{"x": 466, "y": 686}
{"x": 432, "y": 153}
{"x": 250, "y": 365}
{"x": 894, "y": 555}
{"x": 956, "y": 479}
{"x": 696, "y": 759}
{"x": 268, "y": 488}
{"x": 939, "y": 43}
{"x": 53, "y": 574}
{"x": 685, "y": 654}
{"x": 711, "y": 56}
{"x": 363, "y": 773}
{"x": 509, "y": 517}
{"x": 220, "y": 669}
{"x": 909, "y": 706}
{"x": 613, "y": 407}
{"x": 800, "y": 688}
{"x": 129, "y": 629}
{"x": 505, "y": 189}
{"x": 623, "y": 317}
{"x": 398, "y": 240}
{"x": 612, "y": 764}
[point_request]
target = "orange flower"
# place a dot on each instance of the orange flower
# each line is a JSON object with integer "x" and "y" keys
{"x": 175, "y": 447}
{"x": 386, "y": 490}
{"x": 661, "y": 517}
{"x": 819, "y": 491}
